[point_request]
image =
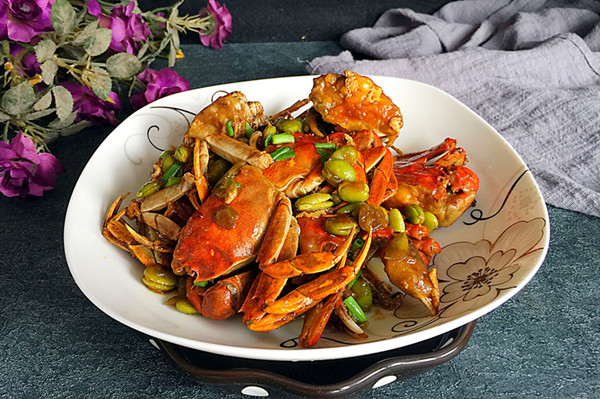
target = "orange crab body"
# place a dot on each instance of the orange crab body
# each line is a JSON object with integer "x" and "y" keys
{"x": 208, "y": 250}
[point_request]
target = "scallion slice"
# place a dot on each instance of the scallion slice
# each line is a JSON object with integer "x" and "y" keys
{"x": 173, "y": 171}
{"x": 354, "y": 308}
{"x": 282, "y": 153}
{"x": 200, "y": 283}
{"x": 229, "y": 129}
{"x": 325, "y": 146}
{"x": 282, "y": 138}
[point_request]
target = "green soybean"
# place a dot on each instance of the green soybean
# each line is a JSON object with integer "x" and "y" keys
{"x": 414, "y": 214}
{"x": 336, "y": 171}
{"x": 348, "y": 209}
{"x": 340, "y": 225}
{"x": 289, "y": 125}
{"x": 313, "y": 202}
{"x": 184, "y": 306}
{"x": 217, "y": 167}
{"x": 362, "y": 293}
{"x": 159, "y": 279}
{"x": 353, "y": 191}
{"x": 396, "y": 221}
{"x": 430, "y": 221}
{"x": 346, "y": 153}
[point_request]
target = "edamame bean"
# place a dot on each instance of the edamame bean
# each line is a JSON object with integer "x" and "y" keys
{"x": 184, "y": 306}
{"x": 336, "y": 171}
{"x": 159, "y": 279}
{"x": 430, "y": 221}
{"x": 289, "y": 125}
{"x": 414, "y": 214}
{"x": 216, "y": 169}
{"x": 396, "y": 220}
{"x": 312, "y": 202}
{"x": 348, "y": 209}
{"x": 362, "y": 293}
{"x": 340, "y": 225}
{"x": 353, "y": 191}
{"x": 346, "y": 153}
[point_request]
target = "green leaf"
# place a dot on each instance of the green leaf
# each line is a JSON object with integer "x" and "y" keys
{"x": 100, "y": 81}
{"x": 123, "y": 65}
{"x": 94, "y": 40}
{"x": 99, "y": 42}
{"x": 63, "y": 123}
{"x": 64, "y": 102}
{"x": 62, "y": 16}
{"x": 45, "y": 50}
{"x": 74, "y": 128}
{"x": 39, "y": 114}
{"x": 44, "y": 102}
{"x": 49, "y": 69}
{"x": 18, "y": 99}
{"x": 4, "y": 116}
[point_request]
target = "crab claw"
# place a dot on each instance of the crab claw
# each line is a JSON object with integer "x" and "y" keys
{"x": 406, "y": 269}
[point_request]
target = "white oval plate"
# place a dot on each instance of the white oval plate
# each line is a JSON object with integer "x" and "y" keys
{"x": 488, "y": 255}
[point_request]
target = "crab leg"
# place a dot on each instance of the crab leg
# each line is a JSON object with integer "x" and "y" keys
{"x": 316, "y": 319}
{"x": 321, "y": 287}
{"x": 200, "y": 167}
{"x": 307, "y": 263}
{"x": 277, "y": 231}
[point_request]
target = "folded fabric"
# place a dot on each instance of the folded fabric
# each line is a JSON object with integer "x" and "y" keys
{"x": 530, "y": 68}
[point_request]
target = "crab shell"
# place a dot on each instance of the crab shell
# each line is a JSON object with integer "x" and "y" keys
{"x": 206, "y": 250}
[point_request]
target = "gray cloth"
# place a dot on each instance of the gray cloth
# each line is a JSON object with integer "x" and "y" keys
{"x": 530, "y": 68}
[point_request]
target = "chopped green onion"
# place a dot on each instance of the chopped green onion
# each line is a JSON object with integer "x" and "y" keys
{"x": 248, "y": 130}
{"x": 200, "y": 283}
{"x": 182, "y": 154}
{"x": 328, "y": 146}
{"x": 229, "y": 129}
{"x": 149, "y": 188}
{"x": 282, "y": 138}
{"x": 323, "y": 153}
{"x": 355, "y": 309}
{"x": 282, "y": 153}
{"x": 173, "y": 180}
{"x": 173, "y": 171}
{"x": 358, "y": 243}
{"x": 351, "y": 283}
{"x": 165, "y": 153}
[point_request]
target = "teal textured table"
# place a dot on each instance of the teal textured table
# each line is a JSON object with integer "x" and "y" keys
{"x": 54, "y": 343}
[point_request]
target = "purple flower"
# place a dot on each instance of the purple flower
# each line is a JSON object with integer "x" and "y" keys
{"x": 222, "y": 28}
{"x": 28, "y": 61}
{"x": 128, "y": 29}
{"x": 92, "y": 108}
{"x": 22, "y": 20}
{"x": 23, "y": 171}
{"x": 159, "y": 84}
